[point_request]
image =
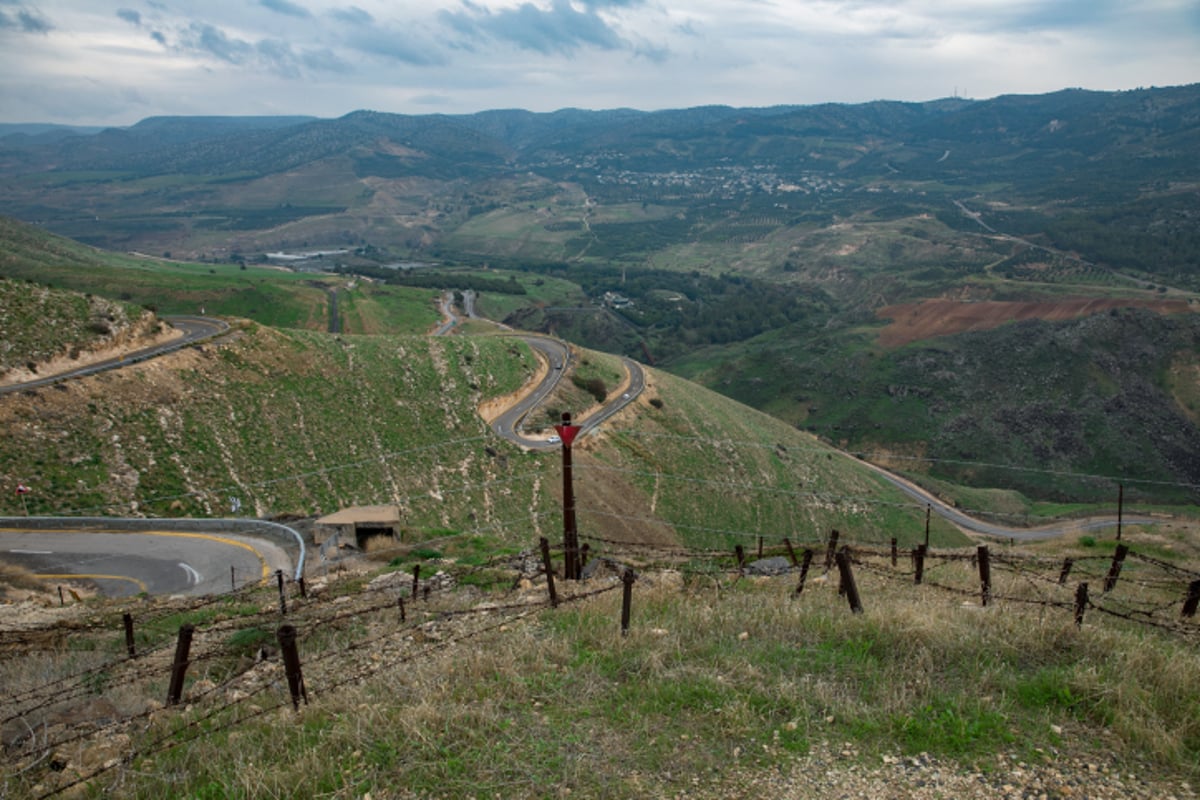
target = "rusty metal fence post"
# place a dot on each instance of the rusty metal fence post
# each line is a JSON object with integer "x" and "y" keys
{"x": 548, "y": 568}
{"x": 985, "y": 574}
{"x": 918, "y": 564}
{"x": 1081, "y": 601}
{"x": 805, "y": 563}
{"x": 831, "y": 549}
{"x": 790, "y": 551}
{"x": 1192, "y": 601}
{"x": 291, "y": 664}
{"x": 1066, "y": 571}
{"x": 627, "y": 578}
{"x": 179, "y": 666}
{"x": 847, "y": 579}
{"x": 282, "y": 594}
{"x": 127, "y": 618}
{"x": 1114, "y": 571}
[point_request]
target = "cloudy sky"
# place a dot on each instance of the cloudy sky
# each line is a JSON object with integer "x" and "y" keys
{"x": 94, "y": 62}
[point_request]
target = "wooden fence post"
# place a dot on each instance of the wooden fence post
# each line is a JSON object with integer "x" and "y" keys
{"x": 627, "y": 578}
{"x": 1114, "y": 571}
{"x": 847, "y": 579}
{"x": 894, "y": 552}
{"x": 985, "y": 574}
{"x": 740, "y": 554}
{"x": 291, "y": 664}
{"x": 805, "y": 563}
{"x": 1066, "y": 571}
{"x": 548, "y": 568}
{"x": 403, "y": 614}
{"x": 127, "y": 618}
{"x": 918, "y": 564}
{"x": 179, "y": 666}
{"x": 416, "y": 581}
{"x": 1192, "y": 601}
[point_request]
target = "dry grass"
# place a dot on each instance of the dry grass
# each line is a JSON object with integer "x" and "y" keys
{"x": 715, "y": 675}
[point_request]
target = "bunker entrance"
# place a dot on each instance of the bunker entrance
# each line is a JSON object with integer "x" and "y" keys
{"x": 373, "y": 535}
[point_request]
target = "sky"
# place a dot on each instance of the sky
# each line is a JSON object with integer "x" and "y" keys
{"x": 90, "y": 62}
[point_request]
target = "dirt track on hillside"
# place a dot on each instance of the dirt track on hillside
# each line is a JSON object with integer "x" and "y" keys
{"x": 911, "y": 322}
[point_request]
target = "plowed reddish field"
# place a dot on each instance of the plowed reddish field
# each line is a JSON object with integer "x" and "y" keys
{"x": 912, "y": 322}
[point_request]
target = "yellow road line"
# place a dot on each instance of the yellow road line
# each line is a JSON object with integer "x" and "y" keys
{"x": 266, "y": 570}
{"x": 72, "y": 576}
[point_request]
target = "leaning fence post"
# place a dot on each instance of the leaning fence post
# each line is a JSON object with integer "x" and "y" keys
{"x": 127, "y": 618}
{"x": 627, "y": 578}
{"x": 985, "y": 574}
{"x": 831, "y": 549}
{"x": 179, "y": 666}
{"x": 847, "y": 576}
{"x": 416, "y": 580}
{"x": 791, "y": 552}
{"x": 1192, "y": 601}
{"x": 1114, "y": 571}
{"x": 291, "y": 664}
{"x": 1081, "y": 601}
{"x": 1066, "y": 571}
{"x": 804, "y": 565}
{"x": 282, "y": 595}
{"x": 548, "y": 568}
{"x": 918, "y": 564}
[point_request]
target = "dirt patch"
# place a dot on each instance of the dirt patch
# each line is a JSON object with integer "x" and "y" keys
{"x": 911, "y": 322}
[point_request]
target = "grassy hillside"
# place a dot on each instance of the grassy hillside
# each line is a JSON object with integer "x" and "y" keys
{"x": 723, "y": 687}
{"x": 302, "y": 423}
{"x": 38, "y": 324}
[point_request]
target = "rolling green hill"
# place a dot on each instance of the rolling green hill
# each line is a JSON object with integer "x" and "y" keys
{"x": 752, "y": 250}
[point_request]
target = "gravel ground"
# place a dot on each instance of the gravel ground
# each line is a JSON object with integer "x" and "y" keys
{"x": 833, "y": 773}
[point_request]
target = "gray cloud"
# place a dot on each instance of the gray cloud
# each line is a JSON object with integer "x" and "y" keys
{"x": 352, "y": 16}
{"x": 558, "y": 30}
{"x": 205, "y": 38}
{"x": 159, "y": 37}
{"x": 26, "y": 21}
{"x": 286, "y": 7}
{"x": 396, "y": 47}
{"x": 130, "y": 16}
{"x": 277, "y": 55}
{"x": 324, "y": 60}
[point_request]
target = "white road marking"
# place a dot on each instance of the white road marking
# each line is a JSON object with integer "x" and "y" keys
{"x": 33, "y": 552}
{"x": 193, "y": 576}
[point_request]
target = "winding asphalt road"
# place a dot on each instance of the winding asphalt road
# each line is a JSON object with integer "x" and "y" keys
{"x": 195, "y": 330}
{"x": 977, "y": 526}
{"x": 124, "y": 563}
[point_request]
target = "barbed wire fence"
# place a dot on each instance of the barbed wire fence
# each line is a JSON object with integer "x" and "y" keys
{"x": 238, "y": 673}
